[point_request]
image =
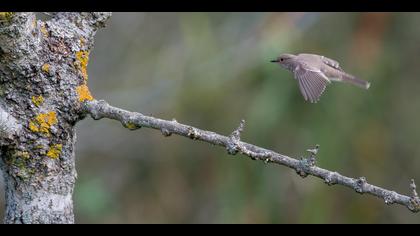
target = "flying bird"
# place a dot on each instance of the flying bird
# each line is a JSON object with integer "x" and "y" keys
{"x": 314, "y": 72}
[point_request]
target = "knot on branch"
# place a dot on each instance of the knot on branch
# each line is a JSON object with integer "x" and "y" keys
{"x": 233, "y": 146}
{"x": 192, "y": 133}
{"x": 331, "y": 178}
{"x": 166, "y": 132}
{"x": 360, "y": 185}
{"x": 312, "y": 155}
{"x": 95, "y": 108}
{"x": 300, "y": 170}
{"x": 413, "y": 189}
{"x": 414, "y": 204}
{"x": 390, "y": 198}
{"x": 130, "y": 123}
{"x": 305, "y": 164}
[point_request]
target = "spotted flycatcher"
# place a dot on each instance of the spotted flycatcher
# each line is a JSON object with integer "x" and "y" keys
{"x": 315, "y": 72}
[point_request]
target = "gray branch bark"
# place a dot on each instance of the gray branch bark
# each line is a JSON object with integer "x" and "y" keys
{"x": 233, "y": 145}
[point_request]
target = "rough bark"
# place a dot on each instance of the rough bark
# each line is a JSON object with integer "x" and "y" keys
{"x": 43, "y": 86}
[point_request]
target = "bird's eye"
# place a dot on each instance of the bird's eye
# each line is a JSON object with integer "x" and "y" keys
{"x": 281, "y": 59}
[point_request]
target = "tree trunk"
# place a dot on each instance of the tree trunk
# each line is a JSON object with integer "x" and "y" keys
{"x": 43, "y": 79}
{"x": 41, "y": 198}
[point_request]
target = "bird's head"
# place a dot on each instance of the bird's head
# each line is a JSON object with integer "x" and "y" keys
{"x": 286, "y": 60}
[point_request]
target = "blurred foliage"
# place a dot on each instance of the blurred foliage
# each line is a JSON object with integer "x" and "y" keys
{"x": 211, "y": 70}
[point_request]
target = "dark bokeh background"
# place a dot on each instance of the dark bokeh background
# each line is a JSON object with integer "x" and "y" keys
{"x": 211, "y": 70}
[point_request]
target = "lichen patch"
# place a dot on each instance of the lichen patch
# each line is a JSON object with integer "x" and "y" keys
{"x": 54, "y": 151}
{"x": 46, "y": 68}
{"x": 37, "y": 100}
{"x": 131, "y": 126}
{"x": 82, "y": 42}
{"x": 44, "y": 30}
{"x": 82, "y": 60}
{"x": 83, "y": 93}
{"x": 21, "y": 154}
{"x": 43, "y": 122}
{"x": 6, "y": 16}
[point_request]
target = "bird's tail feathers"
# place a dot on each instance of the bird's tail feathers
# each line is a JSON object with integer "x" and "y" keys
{"x": 355, "y": 81}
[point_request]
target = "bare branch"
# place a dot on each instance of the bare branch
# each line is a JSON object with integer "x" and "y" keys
{"x": 233, "y": 145}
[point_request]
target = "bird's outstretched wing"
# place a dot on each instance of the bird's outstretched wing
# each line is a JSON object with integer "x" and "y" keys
{"x": 331, "y": 62}
{"x": 311, "y": 84}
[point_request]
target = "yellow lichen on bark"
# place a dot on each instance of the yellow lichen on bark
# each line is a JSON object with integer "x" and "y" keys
{"x": 82, "y": 41}
{"x": 131, "y": 126}
{"x": 6, "y": 16}
{"x": 82, "y": 59}
{"x": 22, "y": 154}
{"x": 46, "y": 68}
{"x": 44, "y": 30}
{"x": 43, "y": 122}
{"x": 55, "y": 151}
{"x": 84, "y": 93}
{"x": 37, "y": 100}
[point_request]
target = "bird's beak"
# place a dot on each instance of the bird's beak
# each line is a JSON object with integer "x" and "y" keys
{"x": 276, "y": 60}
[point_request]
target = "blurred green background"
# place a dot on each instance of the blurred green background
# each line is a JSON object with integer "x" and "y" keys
{"x": 211, "y": 70}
